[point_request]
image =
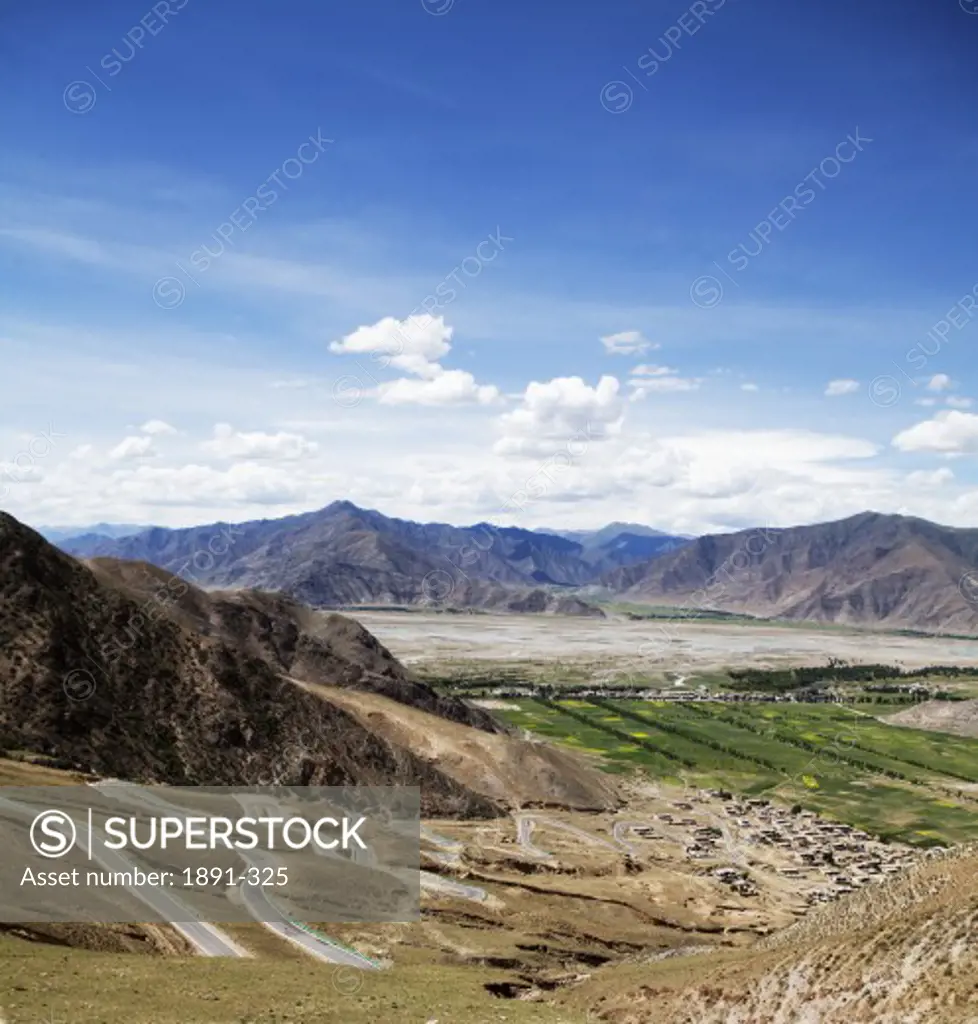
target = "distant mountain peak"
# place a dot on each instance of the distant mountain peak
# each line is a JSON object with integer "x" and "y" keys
{"x": 342, "y": 505}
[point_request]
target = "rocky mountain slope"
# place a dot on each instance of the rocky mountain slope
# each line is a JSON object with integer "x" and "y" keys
{"x": 344, "y": 555}
{"x": 125, "y": 670}
{"x": 898, "y": 953}
{"x": 870, "y": 569}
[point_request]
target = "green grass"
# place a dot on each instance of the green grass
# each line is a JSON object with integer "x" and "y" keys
{"x": 897, "y": 783}
{"x": 40, "y": 982}
{"x": 563, "y": 726}
{"x": 825, "y": 742}
{"x": 938, "y": 754}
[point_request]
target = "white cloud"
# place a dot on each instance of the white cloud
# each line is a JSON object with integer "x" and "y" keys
{"x": 157, "y": 427}
{"x": 559, "y": 411}
{"x": 959, "y": 402}
{"x": 651, "y": 370}
{"x": 449, "y": 387}
{"x": 926, "y": 402}
{"x": 231, "y": 444}
{"x": 713, "y": 480}
{"x": 931, "y": 478}
{"x": 940, "y": 382}
{"x": 749, "y": 387}
{"x": 661, "y": 385}
{"x": 950, "y": 432}
{"x": 205, "y": 486}
{"x": 627, "y": 343}
{"x": 133, "y": 448}
{"x": 775, "y": 449}
{"x": 12, "y": 472}
{"x": 836, "y": 388}
{"x": 415, "y": 345}
{"x": 650, "y": 379}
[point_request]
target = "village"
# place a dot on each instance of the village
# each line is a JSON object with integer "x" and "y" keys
{"x": 797, "y": 845}
{"x": 827, "y": 694}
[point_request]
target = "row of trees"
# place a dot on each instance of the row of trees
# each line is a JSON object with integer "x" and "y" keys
{"x": 772, "y": 732}
{"x": 783, "y": 680}
{"x": 619, "y": 734}
{"x": 691, "y": 735}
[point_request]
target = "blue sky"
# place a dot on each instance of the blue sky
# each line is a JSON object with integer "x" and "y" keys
{"x": 766, "y": 209}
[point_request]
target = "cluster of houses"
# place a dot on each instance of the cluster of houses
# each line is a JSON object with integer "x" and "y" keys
{"x": 835, "y": 858}
{"x": 704, "y": 845}
{"x": 842, "y": 858}
{"x": 530, "y": 691}
{"x": 918, "y": 689}
{"x": 737, "y": 880}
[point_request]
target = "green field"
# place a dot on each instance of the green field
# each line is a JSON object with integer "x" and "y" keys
{"x": 906, "y": 784}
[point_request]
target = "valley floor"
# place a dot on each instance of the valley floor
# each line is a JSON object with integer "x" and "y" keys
{"x": 679, "y": 903}
{"x": 651, "y": 645}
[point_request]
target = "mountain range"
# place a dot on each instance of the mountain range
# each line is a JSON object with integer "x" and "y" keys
{"x": 56, "y": 534}
{"x": 344, "y": 555}
{"x": 871, "y": 569}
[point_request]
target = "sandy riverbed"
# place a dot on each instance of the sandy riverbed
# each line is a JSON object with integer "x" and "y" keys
{"x": 665, "y": 646}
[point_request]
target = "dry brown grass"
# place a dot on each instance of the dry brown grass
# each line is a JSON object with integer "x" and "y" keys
{"x": 901, "y": 953}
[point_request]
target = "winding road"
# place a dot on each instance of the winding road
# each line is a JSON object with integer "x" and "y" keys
{"x": 207, "y": 939}
{"x": 328, "y": 950}
{"x": 254, "y": 898}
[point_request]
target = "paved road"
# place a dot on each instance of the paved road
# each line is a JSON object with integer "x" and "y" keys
{"x": 254, "y": 898}
{"x": 206, "y": 938}
{"x": 624, "y": 827}
{"x": 449, "y": 845}
{"x": 262, "y": 909}
{"x": 525, "y": 823}
{"x": 437, "y": 883}
{"x": 451, "y": 857}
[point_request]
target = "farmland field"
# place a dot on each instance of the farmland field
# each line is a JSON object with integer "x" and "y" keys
{"x": 913, "y": 786}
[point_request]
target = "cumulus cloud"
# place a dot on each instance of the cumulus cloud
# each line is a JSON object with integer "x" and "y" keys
{"x": 940, "y": 382}
{"x": 959, "y": 402}
{"x": 749, "y": 387}
{"x": 949, "y": 433}
{"x": 415, "y": 345}
{"x": 157, "y": 428}
{"x": 133, "y": 448}
{"x": 561, "y": 411}
{"x": 626, "y": 343}
{"x": 448, "y": 387}
{"x": 229, "y": 443}
{"x": 836, "y": 388}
